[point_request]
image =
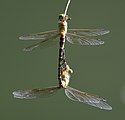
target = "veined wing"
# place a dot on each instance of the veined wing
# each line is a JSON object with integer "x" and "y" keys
{"x": 39, "y": 36}
{"x": 88, "y": 32}
{"x": 34, "y": 93}
{"x": 83, "y": 40}
{"x": 43, "y": 37}
{"x": 40, "y": 43}
{"x": 89, "y": 99}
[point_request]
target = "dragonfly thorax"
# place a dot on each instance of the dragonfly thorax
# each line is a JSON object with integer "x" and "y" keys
{"x": 63, "y": 27}
{"x": 62, "y": 20}
{"x": 63, "y": 24}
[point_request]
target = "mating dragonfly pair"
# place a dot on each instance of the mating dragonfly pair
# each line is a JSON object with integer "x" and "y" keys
{"x": 79, "y": 36}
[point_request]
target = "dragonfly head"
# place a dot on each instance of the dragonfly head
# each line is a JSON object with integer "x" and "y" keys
{"x": 63, "y": 17}
{"x": 66, "y": 74}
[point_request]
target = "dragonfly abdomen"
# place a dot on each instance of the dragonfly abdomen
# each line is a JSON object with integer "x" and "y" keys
{"x": 62, "y": 61}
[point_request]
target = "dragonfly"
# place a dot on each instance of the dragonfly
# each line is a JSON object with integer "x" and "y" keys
{"x": 73, "y": 36}
{"x": 71, "y": 93}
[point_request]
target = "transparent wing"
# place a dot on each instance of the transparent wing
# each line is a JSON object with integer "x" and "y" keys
{"x": 88, "y": 32}
{"x": 39, "y": 36}
{"x": 41, "y": 43}
{"x": 83, "y": 40}
{"x": 89, "y": 99}
{"x": 34, "y": 93}
{"x": 43, "y": 37}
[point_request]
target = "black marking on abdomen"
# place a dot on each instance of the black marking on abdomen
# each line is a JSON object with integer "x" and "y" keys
{"x": 62, "y": 62}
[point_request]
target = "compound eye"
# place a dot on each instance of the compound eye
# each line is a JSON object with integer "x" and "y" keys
{"x": 60, "y": 17}
{"x": 67, "y": 17}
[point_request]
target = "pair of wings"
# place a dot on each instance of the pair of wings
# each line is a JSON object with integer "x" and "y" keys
{"x": 71, "y": 93}
{"x": 74, "y": 36}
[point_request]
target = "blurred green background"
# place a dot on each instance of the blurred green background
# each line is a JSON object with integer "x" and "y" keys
{"x": 97, "y": 69}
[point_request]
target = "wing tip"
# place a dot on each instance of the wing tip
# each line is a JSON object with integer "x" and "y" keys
{"x": 27, "y": 49}
{"x": 106, "y": 31}
{"x": 16, "y": 94}
{"x": 30, "y": 48}
{"x": 22, "y": 94}
{"x": 110, "y": 108}
{"x": 22, "y": 38}
{"x": 101, "y": 42}
{"x": 26, "y": 37}
{"x": 107, "y": 107}
{"x": 96, "y": 42}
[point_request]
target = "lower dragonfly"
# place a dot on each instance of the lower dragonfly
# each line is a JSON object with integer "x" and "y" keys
{"x": 71, "y": 93}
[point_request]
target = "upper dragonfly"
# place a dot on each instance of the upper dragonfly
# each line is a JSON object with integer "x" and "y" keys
{"x": 74, "y": 36}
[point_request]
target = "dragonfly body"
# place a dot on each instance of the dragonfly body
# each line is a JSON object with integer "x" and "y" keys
{"x": 62, "y": 31}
